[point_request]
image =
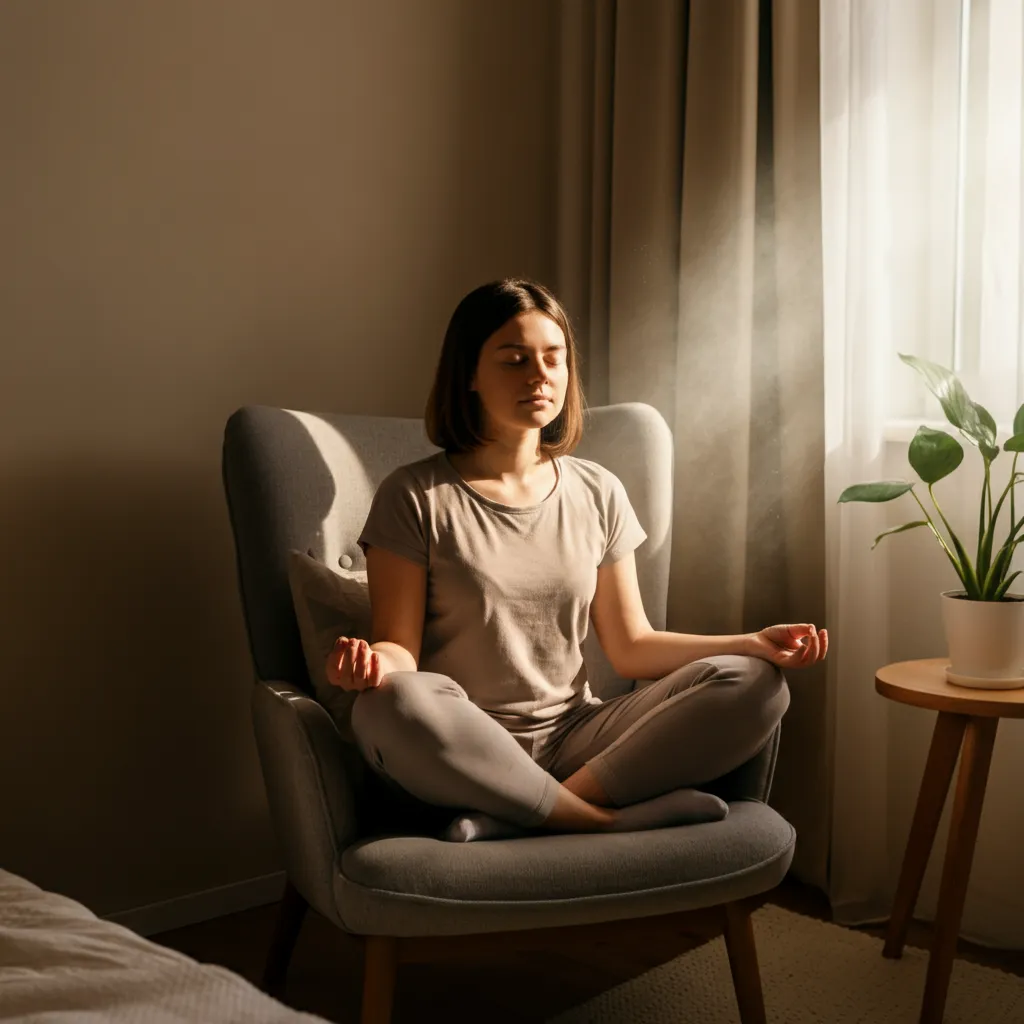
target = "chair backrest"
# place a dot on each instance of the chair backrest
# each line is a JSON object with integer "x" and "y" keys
{"x": 305, "y": 480}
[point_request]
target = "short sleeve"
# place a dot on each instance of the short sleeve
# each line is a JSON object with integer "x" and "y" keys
{"x": 623, "y": 532}
{"x": 397, "y": 519}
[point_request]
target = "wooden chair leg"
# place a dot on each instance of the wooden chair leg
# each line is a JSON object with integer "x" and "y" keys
{"x": 739, "y": 941}
{"x": 379, "y": 974}
{"x": 289, "y": 922}
{"x": 938, "y": 772}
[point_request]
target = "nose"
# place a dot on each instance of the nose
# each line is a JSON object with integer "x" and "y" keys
{"x": 539, "y": 370}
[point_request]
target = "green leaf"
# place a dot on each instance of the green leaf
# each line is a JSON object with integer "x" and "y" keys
{"x": 952, "y": 396}
{"x": 987, "y": 440}
{"x": 1018, "y": 422}
{"x": 1001, "y": 592}
{"x": 968, "y": 575}
{"x": 988, "y": 424}
{"x": 880, "y": 490}
{"x": 997, "y": 571}
{"x": 934, "y": 454}
{"x": 1000, "y": 567}
{"x": 899, "y": 529}
{"x": 1015, "y": 443}
{"x": 962, "y": 563}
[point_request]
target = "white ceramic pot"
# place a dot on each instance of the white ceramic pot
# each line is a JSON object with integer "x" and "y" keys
{"x": 986, "y": 641}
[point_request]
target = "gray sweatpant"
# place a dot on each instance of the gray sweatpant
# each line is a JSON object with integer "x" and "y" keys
{"x": 421, "y": 731}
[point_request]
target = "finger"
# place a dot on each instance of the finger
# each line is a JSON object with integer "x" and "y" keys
{"x": 337, "y": 652}
{"x": 335, "y": 665}
{"x": 805, "y": 656}
{"x": 811, "y": 654}
{"x": 348, "y": 668}
{"x": 346, "y": 662}
{"x": 820, "y": 646}
{"x": 798, "y": 633}
{"x": 814, "y": 644}
{"x": 353, "y": 680}
{"x": 335, "y": 668}
{"x": 362, "y": 659}
{"x": 374, "y": 668}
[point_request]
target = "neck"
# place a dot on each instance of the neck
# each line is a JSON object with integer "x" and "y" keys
{"x": 505, "y": 458}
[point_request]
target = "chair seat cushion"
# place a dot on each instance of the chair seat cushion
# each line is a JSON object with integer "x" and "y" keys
{"x": 416, "y": 885}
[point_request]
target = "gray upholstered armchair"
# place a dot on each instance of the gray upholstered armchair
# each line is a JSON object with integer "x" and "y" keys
{"x": 372, "y": 865}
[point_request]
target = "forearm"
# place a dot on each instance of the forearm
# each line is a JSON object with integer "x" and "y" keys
{"x": 659, "y": 652}
{"x": 393, "y": 657}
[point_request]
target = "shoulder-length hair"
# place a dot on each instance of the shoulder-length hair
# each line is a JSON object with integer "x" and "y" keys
{"x": 453, "y": 415}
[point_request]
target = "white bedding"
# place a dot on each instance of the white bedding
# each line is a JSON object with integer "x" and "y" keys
{"x": 60, "y": 963}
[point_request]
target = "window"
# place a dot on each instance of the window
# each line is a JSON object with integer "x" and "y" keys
{"x": 951, "y": 87}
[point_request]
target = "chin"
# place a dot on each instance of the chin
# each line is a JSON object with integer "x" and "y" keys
{"x": 540, "y": 417}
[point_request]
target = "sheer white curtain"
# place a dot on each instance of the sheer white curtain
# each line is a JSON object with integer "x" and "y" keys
{"x": 921, "y": 120}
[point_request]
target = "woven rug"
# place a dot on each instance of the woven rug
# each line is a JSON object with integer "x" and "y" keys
{"x": 812, "y": 972}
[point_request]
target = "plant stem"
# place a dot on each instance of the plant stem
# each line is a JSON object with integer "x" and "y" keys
{"x": 938, "y": 536}
{"x": 982, "y": 518}
{"x": 985, "y": 565}
{"x": 1016, "y": 527}
{"x": 965, "y": 570}
{"x": 1013, "y": 481}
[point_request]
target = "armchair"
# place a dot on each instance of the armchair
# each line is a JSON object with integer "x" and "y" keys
{"x": 367, "y": 860}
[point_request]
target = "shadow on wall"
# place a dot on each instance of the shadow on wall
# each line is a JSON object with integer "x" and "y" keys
{"x": 127, "y": 766}
{"x": 500, "y": 97}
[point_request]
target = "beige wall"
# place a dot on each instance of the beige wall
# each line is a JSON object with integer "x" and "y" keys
{"x": 205, "y": 204}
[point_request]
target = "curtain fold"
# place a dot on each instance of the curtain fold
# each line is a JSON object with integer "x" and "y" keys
{"x": 857, "y": 272}
{"x": 689, "y": 254}
{"x": 922, "y": 158}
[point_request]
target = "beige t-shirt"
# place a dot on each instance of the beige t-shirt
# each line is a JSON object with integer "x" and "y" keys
{"x": 508, "y": 589}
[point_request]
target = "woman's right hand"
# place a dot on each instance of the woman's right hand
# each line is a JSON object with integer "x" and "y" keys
{"x": 351, "y": 665}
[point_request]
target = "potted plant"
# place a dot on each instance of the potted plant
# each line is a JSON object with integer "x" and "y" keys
{"x": 983, "y": 621}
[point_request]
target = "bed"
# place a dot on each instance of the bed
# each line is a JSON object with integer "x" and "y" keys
{"x": 60, "y": 963}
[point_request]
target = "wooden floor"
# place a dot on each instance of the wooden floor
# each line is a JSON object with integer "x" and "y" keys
{"x": 325, "y": 973}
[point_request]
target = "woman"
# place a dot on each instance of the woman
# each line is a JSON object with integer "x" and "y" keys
{"x": 485, "y": 563}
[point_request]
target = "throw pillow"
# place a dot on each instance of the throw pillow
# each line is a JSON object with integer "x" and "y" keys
{"x": 328, "y": 603}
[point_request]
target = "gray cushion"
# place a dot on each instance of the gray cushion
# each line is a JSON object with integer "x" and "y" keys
{"x": 416, "y": 885}
{"x": 328, "y": 603}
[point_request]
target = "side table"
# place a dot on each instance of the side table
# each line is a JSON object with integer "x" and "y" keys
{"x": 967, "y": 718}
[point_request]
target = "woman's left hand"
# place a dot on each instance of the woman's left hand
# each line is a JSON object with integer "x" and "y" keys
{"x": 792, "y": 646}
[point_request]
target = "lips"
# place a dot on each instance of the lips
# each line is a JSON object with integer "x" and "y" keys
{"x": 535, "y": 398}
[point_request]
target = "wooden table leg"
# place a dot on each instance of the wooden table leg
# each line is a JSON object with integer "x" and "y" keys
{"x": 938, "y": 771}
{"x": 979, "y": 739}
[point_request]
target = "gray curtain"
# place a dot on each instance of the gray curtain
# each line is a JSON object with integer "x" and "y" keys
{"x": 689, "y": 254}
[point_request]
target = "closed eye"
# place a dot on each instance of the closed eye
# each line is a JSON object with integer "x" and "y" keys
{"x": 519, "y": 360}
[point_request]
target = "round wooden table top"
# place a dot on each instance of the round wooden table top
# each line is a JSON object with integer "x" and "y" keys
{"x": 923, "y": 683}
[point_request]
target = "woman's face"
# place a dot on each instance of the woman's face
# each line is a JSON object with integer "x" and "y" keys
{"x": 524, "y": 358}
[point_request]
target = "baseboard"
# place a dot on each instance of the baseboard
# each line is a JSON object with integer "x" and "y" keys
{"x": 202, "y": 906}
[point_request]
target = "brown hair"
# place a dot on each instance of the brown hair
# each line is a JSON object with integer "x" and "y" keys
{"x": 453, "y": 414}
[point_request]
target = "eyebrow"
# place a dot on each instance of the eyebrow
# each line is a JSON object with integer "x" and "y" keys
{"x": 519, "y": 344}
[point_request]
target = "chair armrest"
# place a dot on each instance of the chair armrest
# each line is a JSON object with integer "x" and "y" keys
{"x": 312, "y": 779}
{"x": 752, "y": 780}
